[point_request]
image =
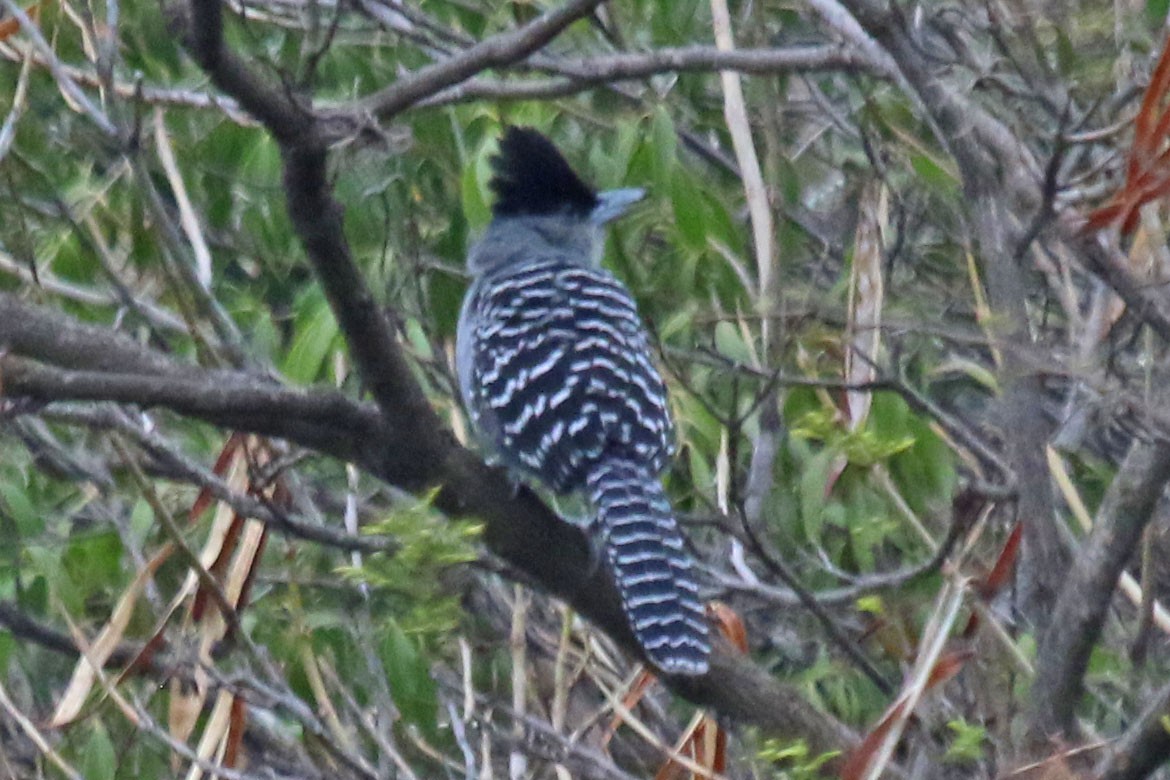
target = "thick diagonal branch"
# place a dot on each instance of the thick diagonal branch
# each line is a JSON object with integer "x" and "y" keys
{"x": 1083, "y": 602}
{"x": 410, "y": 447}
{"x": 518, "y": 528}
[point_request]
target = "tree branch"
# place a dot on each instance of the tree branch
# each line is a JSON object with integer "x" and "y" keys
{"x": 286, "y": 117}
{"x": 1143, "y": 747}
{"x": 1009, "y": 185}
{"x": 577, "y": 75}
{"x": 518, "y": 527}
{"x": 1081, "y": 607}
{"x": 224, "y": 398}
{"x": 44, "y": 334}
{"x": 408, "y": 446}
{"x": 19, "y": 624}
{"x": 981, "y": 142}
{"x": 499, "y": 50}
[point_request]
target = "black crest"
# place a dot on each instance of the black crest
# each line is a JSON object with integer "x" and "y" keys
{"x": 531, "y": 178}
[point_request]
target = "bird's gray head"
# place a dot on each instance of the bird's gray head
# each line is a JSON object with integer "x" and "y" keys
{"x": 542, "y": 206}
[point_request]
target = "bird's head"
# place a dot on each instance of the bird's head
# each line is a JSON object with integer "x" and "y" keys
{"x": 537, "y": 190}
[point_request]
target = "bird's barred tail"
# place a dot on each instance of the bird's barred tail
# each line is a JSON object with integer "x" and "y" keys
{"x": 652, "y": 568}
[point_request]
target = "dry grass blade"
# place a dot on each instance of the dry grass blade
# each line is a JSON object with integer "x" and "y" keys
{"x": 186, "y": 701}
{"x": 33, "y": 733}
{"x": 188, "y": 217}
{"x": 704, "y": 741}
{"x": 108, "y": 639}
{"x": 20, "y": 95}
{"x": 1055, "y": 767}
{"x": 723, "y": 475}
{"x": 103, "y": 680}
{"x": 325, "y": 707}
{"x": 983, "y": 313}
{"x": 518, "y": 643}
{"x": 212, "y": 743}
{"x": 73, "y": 95}
{"x": 231, "y": 554}
{"x": 759, "y": 209}
{"x": 931, "y": 668}
{"x": 864, "y": 317}
{"x": 729, "y": 624}
{"x": 646, "y": 733}
{"x": 642, "y": 683}
{"x": 866, "y": 299}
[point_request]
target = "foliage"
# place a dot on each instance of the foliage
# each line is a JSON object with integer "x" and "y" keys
{"x": 800, "y": 765}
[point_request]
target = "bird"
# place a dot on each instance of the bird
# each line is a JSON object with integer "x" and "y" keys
{"x": 557, "y": 377}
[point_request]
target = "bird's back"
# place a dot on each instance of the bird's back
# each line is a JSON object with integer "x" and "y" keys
{"x": 556, "y": 371}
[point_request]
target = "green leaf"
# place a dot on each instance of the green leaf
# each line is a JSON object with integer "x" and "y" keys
{"x": 416, "y": 335}
{"x": 446, "y": 297}
{"x": 863, "y": 448}
{"x": 889, "y": 417}
{"x": 676, "y": 324}
{"x": 933, "y": 174}
{"x": 47, "y": 563}
{"x": 1066, "y": 53}
{"x": 968, "y": 742}
{"x": 316, "y": 337}
{"x": 410, "y": 582}
{"x": 414, "y": 691}
{"x": 816, "y": 424}
{"x": 473, "y": 186}
{"x": 796, "y": 758}
{"x": 1156, "y": 11}
{"x": 812, "y": 493}
{"x": 99, "y": 758}
{"x": 29, "y": 522}
{"x": 664, "y": 143}
{"x": 687, "y": 203}
{"x": 7, "y": 645}
{"x": 698, "y": 426}
{"x": 970, "y": 368}
{"x": 730, "y": 344}
{"x": 261, "y": 161}
{"x": 94, "y": 560}
{"x": 142, "y": 520}
{"x": 925, "y": 473}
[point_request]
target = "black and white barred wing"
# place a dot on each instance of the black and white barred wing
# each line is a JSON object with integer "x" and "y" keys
{"x": 561, "y": 374}
{"x": 562, "y": 385}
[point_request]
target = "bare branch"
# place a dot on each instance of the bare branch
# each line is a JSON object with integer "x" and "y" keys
{"x": 1143, "y": 747}
{"x": 578, "y": 75}
{"x": 19, "y": 624}
{"x": 65, "y": 83}
{"x": 1081, "y": 608}
{"x": 221, "y": 397}
{"x": 518, "y": 526}
{"x": 286, "y": 117}
{"x": 179, "y": 466}
{"x": 496, "y": 51}
{"x": 12, "y": 51}
{"x": 48, "y": 337}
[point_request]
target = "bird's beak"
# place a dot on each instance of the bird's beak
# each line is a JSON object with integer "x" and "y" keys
{"x": 611, "y": 204}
